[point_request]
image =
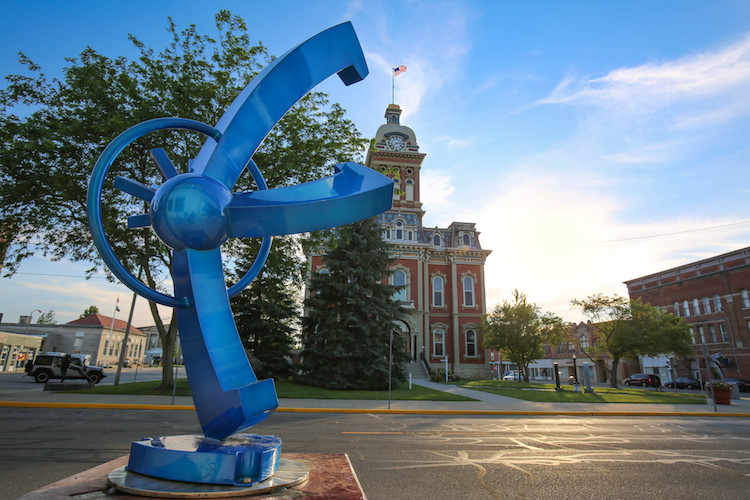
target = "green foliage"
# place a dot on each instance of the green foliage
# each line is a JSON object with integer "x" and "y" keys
{"x": 89, "y": 311}
{"x": 47, "y": 318}
{"x": 267, "y": 312}
{"x": 630, "y": 328}
{"x": 519, "y": 329}
{"x": 438, "y": 375}
{"x": 350, "y": 313}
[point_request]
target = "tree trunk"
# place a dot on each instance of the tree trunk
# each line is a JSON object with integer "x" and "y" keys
{"x": 613, "y": 372}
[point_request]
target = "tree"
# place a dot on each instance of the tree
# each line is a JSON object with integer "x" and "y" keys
{"x": 47, "y": 318}
{"x": 350, "y": 314}
{"x": 629, "y": 328}
{"x": 53, "y": 131}
{"x": 89, "y": 311}
{"x": 519, "y": 329}
{"x": 267, "y": 312}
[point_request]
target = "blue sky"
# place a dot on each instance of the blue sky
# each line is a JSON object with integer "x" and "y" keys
{"x": 592, "y": 142}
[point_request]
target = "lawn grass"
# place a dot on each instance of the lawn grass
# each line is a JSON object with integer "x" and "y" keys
{"x": 288, "y": 389}
{"x": 538, "y": 392}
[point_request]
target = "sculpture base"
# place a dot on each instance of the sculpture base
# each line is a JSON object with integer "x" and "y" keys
{"x": 331, "y": 476}
{"x": 288, "y": 474}
{"x": 239, "y": 460}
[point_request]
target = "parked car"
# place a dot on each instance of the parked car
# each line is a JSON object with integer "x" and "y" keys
{"x": 47, "y": 366}
{"x": 683, "y": 383}
{"x": 742, "y": 385}
{"x": 643, "y": 379}
{"x": 511, "y": 376}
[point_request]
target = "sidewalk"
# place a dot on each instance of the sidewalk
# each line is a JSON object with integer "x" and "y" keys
{"x": 486, "y": 404}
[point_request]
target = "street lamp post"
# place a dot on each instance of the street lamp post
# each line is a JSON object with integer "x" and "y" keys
{"x": 28, "y": 323}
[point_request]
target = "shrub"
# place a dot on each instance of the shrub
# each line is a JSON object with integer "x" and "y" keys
{"x": 438, "y": 375}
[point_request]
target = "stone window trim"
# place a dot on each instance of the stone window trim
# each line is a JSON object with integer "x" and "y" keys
{"x": 400, "y": 267}
{"x": 475, "y": 304}
{"x": 438, "y": 329}
{"x": 442, "y": 277}
{"x": 471, "y": 327}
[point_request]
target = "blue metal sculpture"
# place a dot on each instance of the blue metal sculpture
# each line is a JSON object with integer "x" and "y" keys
{"x": 194, "y": 213}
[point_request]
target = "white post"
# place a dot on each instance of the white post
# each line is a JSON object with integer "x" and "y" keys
{"x": 446, "y": 368}
{"x": 409, "y": 380}
{"x": 109, "y": 338}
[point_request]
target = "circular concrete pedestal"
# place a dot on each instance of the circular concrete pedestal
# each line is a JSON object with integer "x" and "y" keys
{"x": 289, "y": 473}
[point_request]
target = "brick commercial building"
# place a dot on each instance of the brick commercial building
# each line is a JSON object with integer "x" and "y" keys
{"x": 442, "y": 268}
{"x": 712, "y": 295}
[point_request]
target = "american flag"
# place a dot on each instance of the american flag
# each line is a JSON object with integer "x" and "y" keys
{"x": 399, "y": 70}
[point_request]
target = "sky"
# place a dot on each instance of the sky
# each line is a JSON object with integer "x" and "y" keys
{"x": 591, "y": 142}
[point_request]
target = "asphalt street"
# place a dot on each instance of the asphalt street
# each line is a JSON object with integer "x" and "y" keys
{"x": 495, "y": 447}
{"x": 430, "y": 457}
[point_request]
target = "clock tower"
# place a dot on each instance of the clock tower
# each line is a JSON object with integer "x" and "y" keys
{"x": 442, "y": 269}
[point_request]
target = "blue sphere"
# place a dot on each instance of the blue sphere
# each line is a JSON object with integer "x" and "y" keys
{"x": 187, "y": 211}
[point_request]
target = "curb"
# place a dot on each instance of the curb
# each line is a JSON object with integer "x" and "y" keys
{"x": 583, "y": 413}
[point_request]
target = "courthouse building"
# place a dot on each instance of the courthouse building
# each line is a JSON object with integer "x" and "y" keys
{"x": 712, "y": 295}
{"x": 442, "y": 268}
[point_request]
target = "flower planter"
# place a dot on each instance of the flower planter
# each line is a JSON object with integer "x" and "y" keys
{"x": 723, "y": 396}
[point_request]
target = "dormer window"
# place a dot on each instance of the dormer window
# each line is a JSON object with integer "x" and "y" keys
{"x": 467, "y": 240}
{"x": 436, "y": 241}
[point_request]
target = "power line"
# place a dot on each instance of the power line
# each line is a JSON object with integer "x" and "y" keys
{"x": 674, "y": 233}
{"x": 60, "y": 275}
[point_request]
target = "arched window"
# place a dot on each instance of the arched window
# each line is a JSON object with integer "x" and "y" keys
{"x": 717, "y": 303}
{"x": 399, "y": 279}
{"x": 399, "y": 230}
{"x": 410, "y": 189}
{"x": 467, "y": 240}
{"x": 686, "y": 308}
{"x": 436, "y": 240}
{"x": 696, "y": 307}
{"x": 468, "y": 283}
{"x": 437, "y": 291}
{"x": 706, "y": 305}
{"x": 438, "y": 342}
{"x": 676, "y": 308}
{"x": 471, "y": 343}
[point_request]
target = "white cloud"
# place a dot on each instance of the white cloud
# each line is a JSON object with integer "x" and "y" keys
{"x": 556, "y": 241}
{"x": 715, "y": 83}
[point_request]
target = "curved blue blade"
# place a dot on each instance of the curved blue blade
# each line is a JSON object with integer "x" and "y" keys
{"x": 228, "y": 396}
{"x": 273, "y": 92}
{"x": 353, "y": 193}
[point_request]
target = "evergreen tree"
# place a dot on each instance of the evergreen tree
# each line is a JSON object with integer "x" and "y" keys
{"x": 267, "y": 312}
{"x": 350, "y": 313}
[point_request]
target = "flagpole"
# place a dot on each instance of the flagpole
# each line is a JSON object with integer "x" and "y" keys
{"x": 393, "y": 86}
{"x": 109, "y": 339}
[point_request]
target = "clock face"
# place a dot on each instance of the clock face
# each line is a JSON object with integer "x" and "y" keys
{"x": 396, "y": 143}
